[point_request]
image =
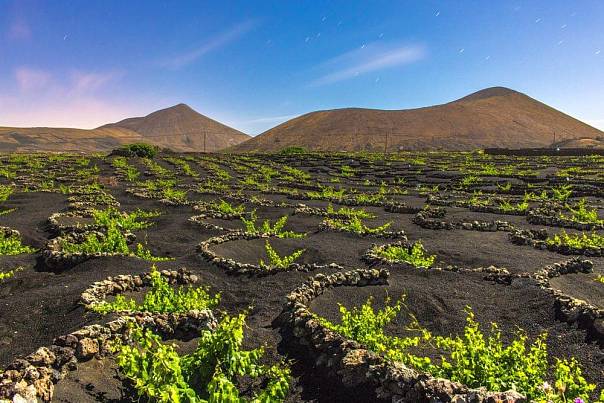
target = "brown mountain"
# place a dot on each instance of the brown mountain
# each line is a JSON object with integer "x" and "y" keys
{"x": 493, "y": 117}
{"x": 179, "y": 128}
{"x": 32, "y": 139}
{"x": 582, "y": 143}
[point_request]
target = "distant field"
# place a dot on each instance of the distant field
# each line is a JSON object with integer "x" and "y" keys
{"x": 441, "y": 244}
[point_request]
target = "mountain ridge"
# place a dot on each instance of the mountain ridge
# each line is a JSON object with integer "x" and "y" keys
{"x": 181, "y": 122}
{"x": 492, "y": 117}
{"x": 178, "y": 127}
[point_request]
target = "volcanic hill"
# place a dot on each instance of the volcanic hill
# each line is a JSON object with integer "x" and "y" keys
{"x": 179, "y": 128}
{"x": 493, "y": 117}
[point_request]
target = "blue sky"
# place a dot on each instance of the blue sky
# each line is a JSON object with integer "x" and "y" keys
{"x": 254, "y": 64}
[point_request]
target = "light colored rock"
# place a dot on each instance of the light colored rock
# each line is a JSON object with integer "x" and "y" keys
{"x": 87, "y": 347}
{"x": 42, "y": 357}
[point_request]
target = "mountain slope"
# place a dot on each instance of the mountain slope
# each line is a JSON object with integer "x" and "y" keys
{"x": 31, "y": 139}
{"x": 180, "y": 128}
{"x": 597, "y": 143}
{"x": 493, "y": 117}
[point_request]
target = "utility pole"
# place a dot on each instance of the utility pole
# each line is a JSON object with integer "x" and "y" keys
{"x": 386, "y": 143}
{"x": 204, "y": 141}
{"x": 356, "y": 129}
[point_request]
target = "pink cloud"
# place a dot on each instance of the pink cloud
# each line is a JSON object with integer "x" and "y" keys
{"x": 80, "y": 82}
{"x": 64, "y": 99}
{"x": 91, "y": 81}
{"x": 29, "y": 79}
{"x": 19, "y": 29}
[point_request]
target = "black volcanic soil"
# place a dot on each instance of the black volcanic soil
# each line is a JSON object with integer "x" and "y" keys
{"x": 438, "y": 300}
{"x": 36, "y": 306}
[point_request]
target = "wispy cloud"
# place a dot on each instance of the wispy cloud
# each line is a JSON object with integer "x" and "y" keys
{"x": 74, "y": 82}
{"x": 29, "y": 79}
{"x": 71, "y": 98}
{"x": 368, "y": 58}
{"x": 92, "y": 81}
{"x": 19, "y": 29}
{"x": 214, "y": 43}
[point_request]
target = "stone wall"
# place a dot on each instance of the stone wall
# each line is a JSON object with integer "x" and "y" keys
{"x": 354, "y": 365}
{"x": 537, "y": 239}
{"x": 231, "y": 265}
{"x": 32, "y": 378}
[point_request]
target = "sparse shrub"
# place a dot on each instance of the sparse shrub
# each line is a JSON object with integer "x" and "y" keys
{"x": 562, "y": 192}
{"x": 114, "y": 241}
{"x": 156, "y": 168}
{"x": 157, "y": 185}
{"x": 355, "y": 225}
{"x": 477, "y": 199}
{"x": 294, "y": 174}
{"x": 142, "y": 150}
{"x": 251, "y": 182}
{"x": 478, "y": 360}
{"x": 424, "y": 190}
{"x": 580, "y": 241}
{"x": 5, "y": 192}
{"x": 128, "y": 171}
{"x": 347, "y": 171}
{"x": 7, "y": 211}
{"x": 11, "y": 245}
{"x": 175, "y": 195}
{"x": 227, "y": 208}
{"x": 220, "y": 173}
{"x": 366, "y": 325}
{"x": 126, "y": 221}
{"x": 506, "y": 187}
{"x": 507, "y": 207}
{"x": 366, "y": 198}
{"x": 213, "y": 186}
{"x": 474, "y": 359}
{"x": 580, "y": 213}
{"x": 5, "y": 275}
{"x": 184, "y": 165}
{"x": 143, "y": 253}
{"x": 469, "y": 180}
{"x": 413, "y": 254}
{"x": 210, "y": 374}
{"x": 326, "y": 193}
{"x": 266, "y": 227}
{"x": 348, "y": 212}
{"x": 266, "y": 173}
{"x": 293, "y": 150}
{"x": 162, "y": 298}
{"x": 276, "y": 261}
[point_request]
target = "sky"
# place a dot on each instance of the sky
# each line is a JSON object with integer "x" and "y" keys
{"x": 255, "y": 64}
